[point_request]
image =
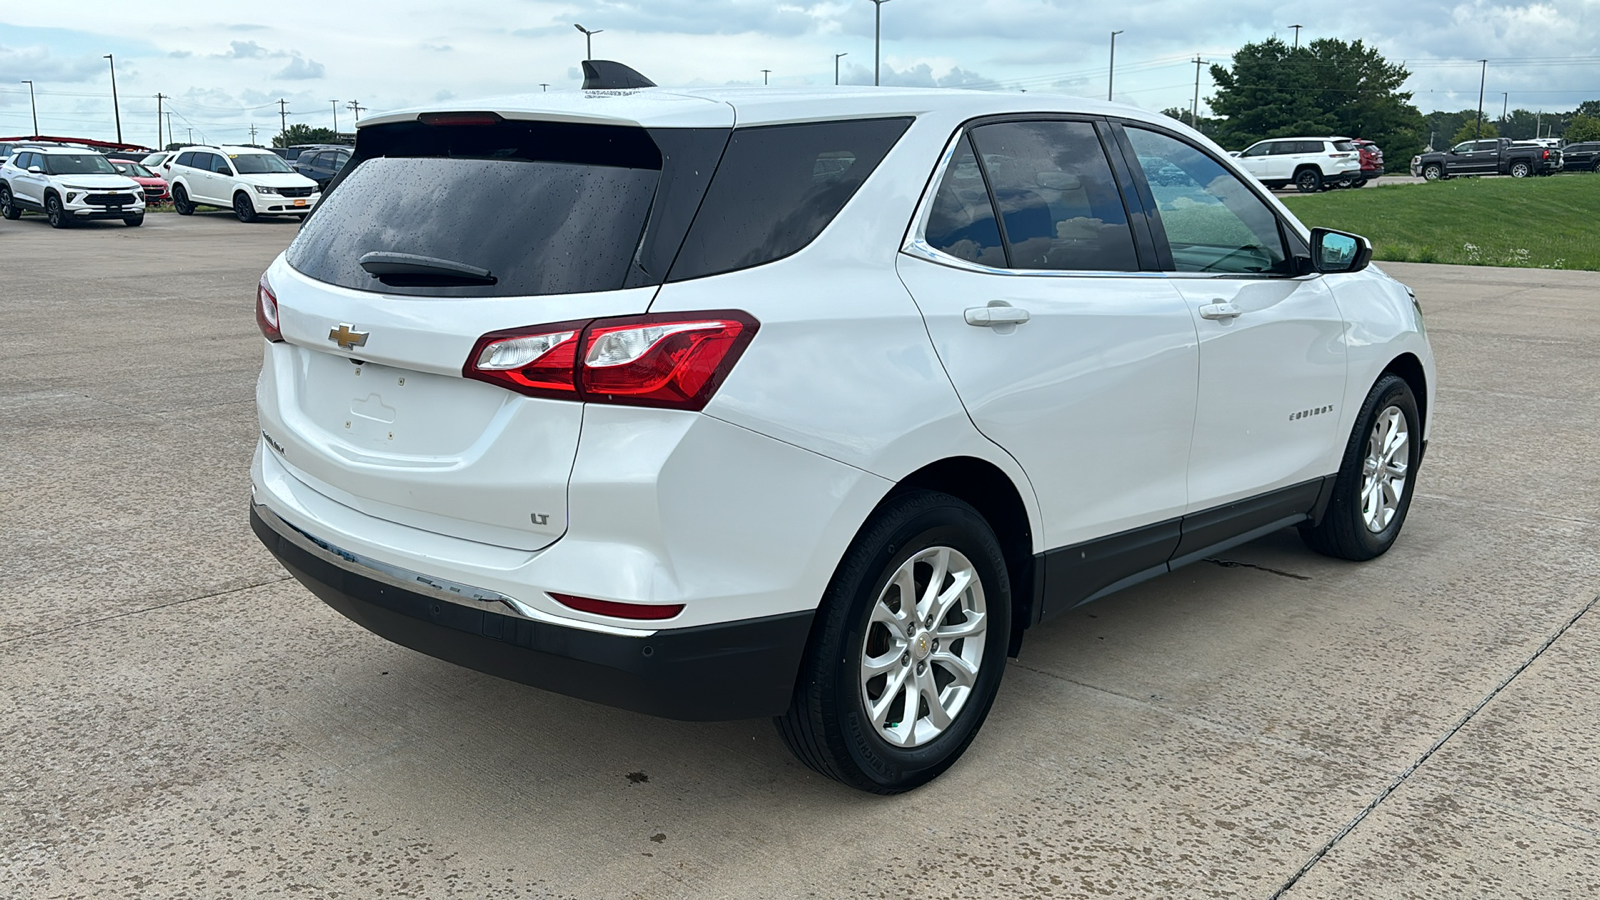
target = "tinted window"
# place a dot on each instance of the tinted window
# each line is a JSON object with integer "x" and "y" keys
{"x": 24, "y": 160}
{"x": 1344, "y": 146}
{"x": 546, "y": 208}
{"x": 1059, "y": 207}
{"x": 219, "y": 165}
{"x": 962, "y": 222}
{"x": 1213, "y": 222}
{"x": 1262, "y": 149}
{"x": 777, "y": 187}
{"x": 185, "y": 158}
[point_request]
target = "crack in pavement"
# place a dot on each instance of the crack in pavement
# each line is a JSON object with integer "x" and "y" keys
{"x": 145, "y": 609}
{"x": 1235, "y": 564}
{"x": 1416, "y": 764}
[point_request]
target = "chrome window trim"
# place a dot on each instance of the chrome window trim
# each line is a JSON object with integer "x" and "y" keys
{"x": 462, "y": 595}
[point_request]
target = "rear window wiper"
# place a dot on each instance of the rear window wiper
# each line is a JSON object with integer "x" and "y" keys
{"x": 410, "y": 269}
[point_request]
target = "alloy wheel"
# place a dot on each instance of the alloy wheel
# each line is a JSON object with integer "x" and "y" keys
{"x": 923, "y": 647}
{"x": 1385, "y": 469}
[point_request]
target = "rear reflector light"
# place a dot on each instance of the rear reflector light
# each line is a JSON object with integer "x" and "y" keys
{"x": 460, "y": 118}
{"x": 675, "y": 361}
{"x": 267, "y": 311}
{"x": 638, "y": 611}
{"x": 1546, "y": 155}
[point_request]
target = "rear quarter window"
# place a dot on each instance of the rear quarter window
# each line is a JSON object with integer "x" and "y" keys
{"x": 777, "y": 188}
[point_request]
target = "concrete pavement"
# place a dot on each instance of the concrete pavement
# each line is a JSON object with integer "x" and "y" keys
{"x": 178, "y": 719}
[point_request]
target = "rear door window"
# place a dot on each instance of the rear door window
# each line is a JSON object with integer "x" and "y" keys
{"x": 1058, "y": 203}
{"x": 962, "y": 222}
{"x": 777, "y": 188}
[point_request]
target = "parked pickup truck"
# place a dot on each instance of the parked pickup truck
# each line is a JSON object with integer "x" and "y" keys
{"x": 1493, "y": 156}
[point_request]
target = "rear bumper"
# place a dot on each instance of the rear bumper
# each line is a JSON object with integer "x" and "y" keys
{"x": 735, "y": 670}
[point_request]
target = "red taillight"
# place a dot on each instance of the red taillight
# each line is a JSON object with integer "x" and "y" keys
{"x": 640, "y": 611}
{"x": 539, "y": 362}
{"x": 676, "y": 361}
{"x": 1546, "y": 155}
{"x": 267, "y": 311}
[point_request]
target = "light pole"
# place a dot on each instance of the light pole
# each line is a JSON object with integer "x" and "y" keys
{"x": 335, "y": 119}
{"x": 1505, "y": 101}
{"x": 1483, "y": 74}
{"x": 764, "y": 74}
{"x": 1111, "y": 70}
{"x": 836, "y": 67}
{"x": 877, "y": 40}
{"x": 1297, "y": 35}
{"x": 588, "y": 39}
{"x": 35, "y": 104}
{"x": 114, "y": 110}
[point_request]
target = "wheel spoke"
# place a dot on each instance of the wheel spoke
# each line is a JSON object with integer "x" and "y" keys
{"x": 888, "y": 662}
{"x": 973, "y": 626}
{"x": 938, "y": 716}
{"x": 879, "y": 712}
{"x": 952, "y": 596}
{"x": 965, "y": 673}
{"x": 930, "y": 594}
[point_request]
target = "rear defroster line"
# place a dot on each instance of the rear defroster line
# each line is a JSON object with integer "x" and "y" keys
{"x": 1427, "y": 754}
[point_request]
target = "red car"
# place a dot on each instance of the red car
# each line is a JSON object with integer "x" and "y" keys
{"x": 1371, "y": 163}
{"x": 155, "y": 187}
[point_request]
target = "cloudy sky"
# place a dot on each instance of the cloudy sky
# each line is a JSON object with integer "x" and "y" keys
{"x": 224, "y": 66}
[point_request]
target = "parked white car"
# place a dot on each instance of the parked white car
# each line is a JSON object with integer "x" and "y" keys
{"x": 250, "y": 181}
{"x": 1310, "y": 164}
{"x": 808, "y": 403}
{"x": 68, "y": 185}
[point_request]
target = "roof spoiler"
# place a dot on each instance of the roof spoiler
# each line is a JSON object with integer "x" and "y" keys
{"x": 603, "y": 75}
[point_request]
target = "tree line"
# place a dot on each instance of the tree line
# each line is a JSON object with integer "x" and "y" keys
{"x": 1331, "y": 87}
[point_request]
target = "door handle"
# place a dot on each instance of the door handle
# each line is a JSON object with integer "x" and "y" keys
{"x": 1220, "y": 310}
{"x": 998, "y": 312}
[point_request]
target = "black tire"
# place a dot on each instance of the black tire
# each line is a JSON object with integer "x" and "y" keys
{"x": 1520, "y": 169}
{"x": 55, "y": 213}
{"x": 1596, "y": 167}
{"x": 243, "y": 208}
{"x": 8, "y": 209}
{"x": 134, "y": 221}
{"x": 1343, "y": 531}
{"x": 1433, "y": 172}
{"x": 1308, "y": 181}
{"x": 828, "y": 726}
{"x": 1360, "y": 183}
{"x": 180, "y": 201}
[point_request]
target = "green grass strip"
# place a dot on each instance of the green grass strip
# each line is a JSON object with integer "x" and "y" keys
{"x": 1538, "y": 223}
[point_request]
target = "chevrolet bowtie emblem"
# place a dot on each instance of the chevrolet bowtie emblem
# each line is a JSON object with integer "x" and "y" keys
{"x": 347, "y": 337}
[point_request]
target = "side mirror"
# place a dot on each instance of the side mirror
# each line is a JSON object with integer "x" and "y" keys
{"x": 35, "y": 170}
{"x": 1339, "y": 251}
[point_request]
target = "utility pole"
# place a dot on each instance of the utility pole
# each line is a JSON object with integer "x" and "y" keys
{"x": 35, "y": 104}
{"x": 544, "y": 87}
{"x": 588, "y": 39}
{"x": 1297, "y": 35}
{"x": 283, "y": 121}
{"x": 159, "y": 98}
{"x": 191, "y": 135}
{"x": 836, "y": 67}
{"x": 764, "y": 74}
{"x": 1194, "y": 111}
{"x": 252, "y": 134}
{"x": 114, "y": 109}
{"x": 170, "y": 139}
{"x": 1482, "y": 75}
{"x": 1505, "y": 101}
{"x": 356, "y": 107}
{"x": 335, "y": 119}
{"x": 877, "y": 41}
{"x": 1111, "y": 70}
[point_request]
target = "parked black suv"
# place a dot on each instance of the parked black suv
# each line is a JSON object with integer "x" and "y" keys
{"x": 1584, "y": 157}
{"x": 321, "y": 164}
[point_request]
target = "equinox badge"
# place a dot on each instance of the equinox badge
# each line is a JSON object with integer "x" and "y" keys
{"x": 347, "y": 337}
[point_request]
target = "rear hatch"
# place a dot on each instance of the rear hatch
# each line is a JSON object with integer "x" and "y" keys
{"x": 443, "y": 228}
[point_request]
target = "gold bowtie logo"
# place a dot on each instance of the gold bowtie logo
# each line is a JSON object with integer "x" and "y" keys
{"x": 347, "y": 337}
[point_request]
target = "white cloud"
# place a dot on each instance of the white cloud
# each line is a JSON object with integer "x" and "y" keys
{"x": 301, "y": 68}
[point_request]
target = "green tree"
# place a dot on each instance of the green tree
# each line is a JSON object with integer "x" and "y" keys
{"x": 1583, "y": 128}
{"x": 305, "y": 134}
{"x": 1470, "y": 131}
{"x": 1326, "y": 87}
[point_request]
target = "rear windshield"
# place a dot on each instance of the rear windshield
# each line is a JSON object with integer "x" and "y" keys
{"x": 1343, "y": 146}
{"x": 546, "y": 208}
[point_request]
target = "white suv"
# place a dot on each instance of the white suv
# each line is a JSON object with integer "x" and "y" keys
{"x": 810, "y": 416}
{"x": 1310, "y": 164}
{"x": 250, "y": 181}
{"x": 68, "y": 185}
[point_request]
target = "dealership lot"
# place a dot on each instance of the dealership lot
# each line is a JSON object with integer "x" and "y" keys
{"x": 180, "y": 719}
